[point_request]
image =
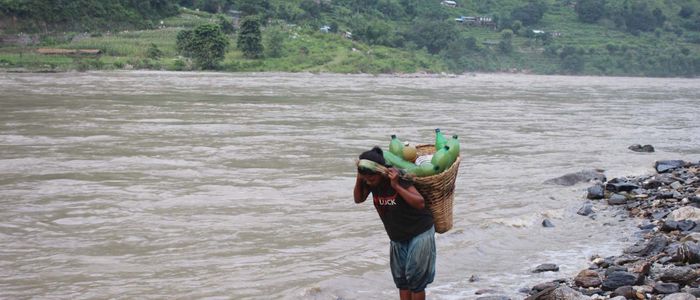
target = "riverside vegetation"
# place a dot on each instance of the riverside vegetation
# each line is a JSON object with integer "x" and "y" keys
{"x": 589, "y": 37}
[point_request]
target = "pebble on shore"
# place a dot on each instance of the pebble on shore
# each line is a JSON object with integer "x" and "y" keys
{"x": 665, "y": 263}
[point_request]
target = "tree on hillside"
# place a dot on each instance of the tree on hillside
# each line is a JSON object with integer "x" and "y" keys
{"x": 48, "y": 15}
{"x": 206, "y": 45}
{"x": 433, "y": 35}
{"x": 686, "y": 12}
{"x": 572, "y": 60}
{"x": 254, "y": 7}
{"x": 274, "y": 42}
{"x": 640, "y": 18}
{"x": 225, "y": 24}
{"x": 312, "y": 9}
{"x": 505, "y": 46}
{"x": 530, "y": 13}
{"x": 590, "y": 11}
{"x": 250, "y": 38}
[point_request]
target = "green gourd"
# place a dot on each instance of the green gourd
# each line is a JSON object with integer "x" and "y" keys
{"x": 396, "y": 146}
{"x": 440, "y": 140}
{"x": 442, "y": 159}
{"x": 453, "y": 143}
{"x": 397, "y": 162}
{"x": 424, "y": 170}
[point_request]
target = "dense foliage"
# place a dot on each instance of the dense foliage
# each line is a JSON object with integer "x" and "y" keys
{"x": 51, "y": 15}
{"x": 206, "y": 45}
{"x": 597, "y": 37}
{"x": 250, "y": 38}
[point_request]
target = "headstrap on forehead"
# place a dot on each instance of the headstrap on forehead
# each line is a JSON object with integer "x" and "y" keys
{"x": 371, "y": 166}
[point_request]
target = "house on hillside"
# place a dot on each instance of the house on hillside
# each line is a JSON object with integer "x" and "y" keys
{"x": 449, "y": 3}
{"x": 477, "y": 21}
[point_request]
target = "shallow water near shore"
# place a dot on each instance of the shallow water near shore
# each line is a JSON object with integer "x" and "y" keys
{"x": 239, "y": 186}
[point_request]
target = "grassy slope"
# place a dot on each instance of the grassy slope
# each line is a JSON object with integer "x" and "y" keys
{"x": 307, "y": 50}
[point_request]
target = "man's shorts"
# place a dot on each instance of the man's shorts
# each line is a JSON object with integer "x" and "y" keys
{"x": 413, "y": 261}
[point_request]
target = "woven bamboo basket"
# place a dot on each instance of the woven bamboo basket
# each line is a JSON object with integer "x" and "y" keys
{"x": 438, "y": 191}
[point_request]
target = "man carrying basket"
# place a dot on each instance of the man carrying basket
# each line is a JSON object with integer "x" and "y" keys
{"x": 407, "y": 220}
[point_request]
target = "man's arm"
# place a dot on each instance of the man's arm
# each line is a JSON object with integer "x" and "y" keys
{"x": 361, "y": 190}
{"x": 410, "y": 194}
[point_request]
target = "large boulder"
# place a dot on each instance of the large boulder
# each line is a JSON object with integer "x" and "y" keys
{"x": 645, "y": 248}
{"x": 588, "y": 279}
{"x": 663, "y": 166}
{"x": 546, "y": 268}
{"x": 619, "y": 279}
{"x": 586, "y": 209}
{"x": 640, "y": 148}
{"x": 496, "y": 297}
{"x": 617, "y": 199}
{"x": 596, "y": 192}
{"x": 680, "y": 275}
{"x": 580, "y": 176}
{"x": 562, "y": 292}
{"x": 685, "y": 213}
{"x": 680, "y": 296}
{"x": 617, "y": 185}
{"x": 666, "y": 288}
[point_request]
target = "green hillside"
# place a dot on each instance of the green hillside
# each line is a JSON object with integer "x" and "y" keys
{"x": 594, "y": 37}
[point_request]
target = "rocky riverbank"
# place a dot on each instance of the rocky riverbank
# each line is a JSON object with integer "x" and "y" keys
{"x": 665, "y": 262}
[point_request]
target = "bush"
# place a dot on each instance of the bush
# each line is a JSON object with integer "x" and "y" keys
{"x": 153, "y": 52}
{"x": 250, "y": 38}
{"x": 274, "y": 42}
{"x": 590, "y": 11}
{"x": 206, "y": 45}
{"x": 529, "y": 14}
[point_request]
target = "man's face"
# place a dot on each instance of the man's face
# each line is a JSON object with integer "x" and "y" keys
{"x": 372, "y": 180}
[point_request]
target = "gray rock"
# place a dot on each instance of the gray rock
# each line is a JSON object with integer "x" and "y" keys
{"x": 547, "y": 223}
{"x": 668, "y": 226}
{"x": 620, "y": 185}
{"x": 618, "y": 279}
{"x": 581, "y": 176}
{"x": 543, "y": 294}
{"x": 640, "y": 148}
{"x": 617, "y": 199}
{"x": 680, "y": 296}
{"x": 546, "y": 268}
{"x": 666, "y": 288}
{"x": 660, "y": 214}
{"x": 544, "y": 286}
{"x": 686, "y": 225}
{"x": 693, "y": 291}
{"x": 648, "y": 248}
{"x": 663, "y": 166}
{"x": 640, "y": 268}
{"x": 680, "y": 275}
{"x": 676, "y": 185}
{"x": 596, "y": 192}
{"x": 619, "y": 298}
{"x": 685, "y": 213}
{"x": 566, "y": 293}
{"x": 496, "y": 297}
{"x": 586, "y": 208}
{"x": 625, "y": 291}
{"x": 485, "y": 291}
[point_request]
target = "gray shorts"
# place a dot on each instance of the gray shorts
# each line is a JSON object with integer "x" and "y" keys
{"x": 413, "y": 261}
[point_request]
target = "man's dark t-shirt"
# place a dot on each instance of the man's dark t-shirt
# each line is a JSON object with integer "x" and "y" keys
{"x": 401, "y": 220}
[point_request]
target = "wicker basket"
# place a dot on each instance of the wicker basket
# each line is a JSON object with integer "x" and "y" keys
{"x": 438, "y": 191}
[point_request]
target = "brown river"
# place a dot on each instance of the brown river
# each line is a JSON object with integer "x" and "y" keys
{"x": 163, "y": 185}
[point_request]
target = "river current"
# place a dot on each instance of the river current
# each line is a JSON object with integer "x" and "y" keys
{"x": 164, "y": 185}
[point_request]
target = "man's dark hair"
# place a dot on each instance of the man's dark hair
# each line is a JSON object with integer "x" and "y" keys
{"x": 375, "y": 155}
